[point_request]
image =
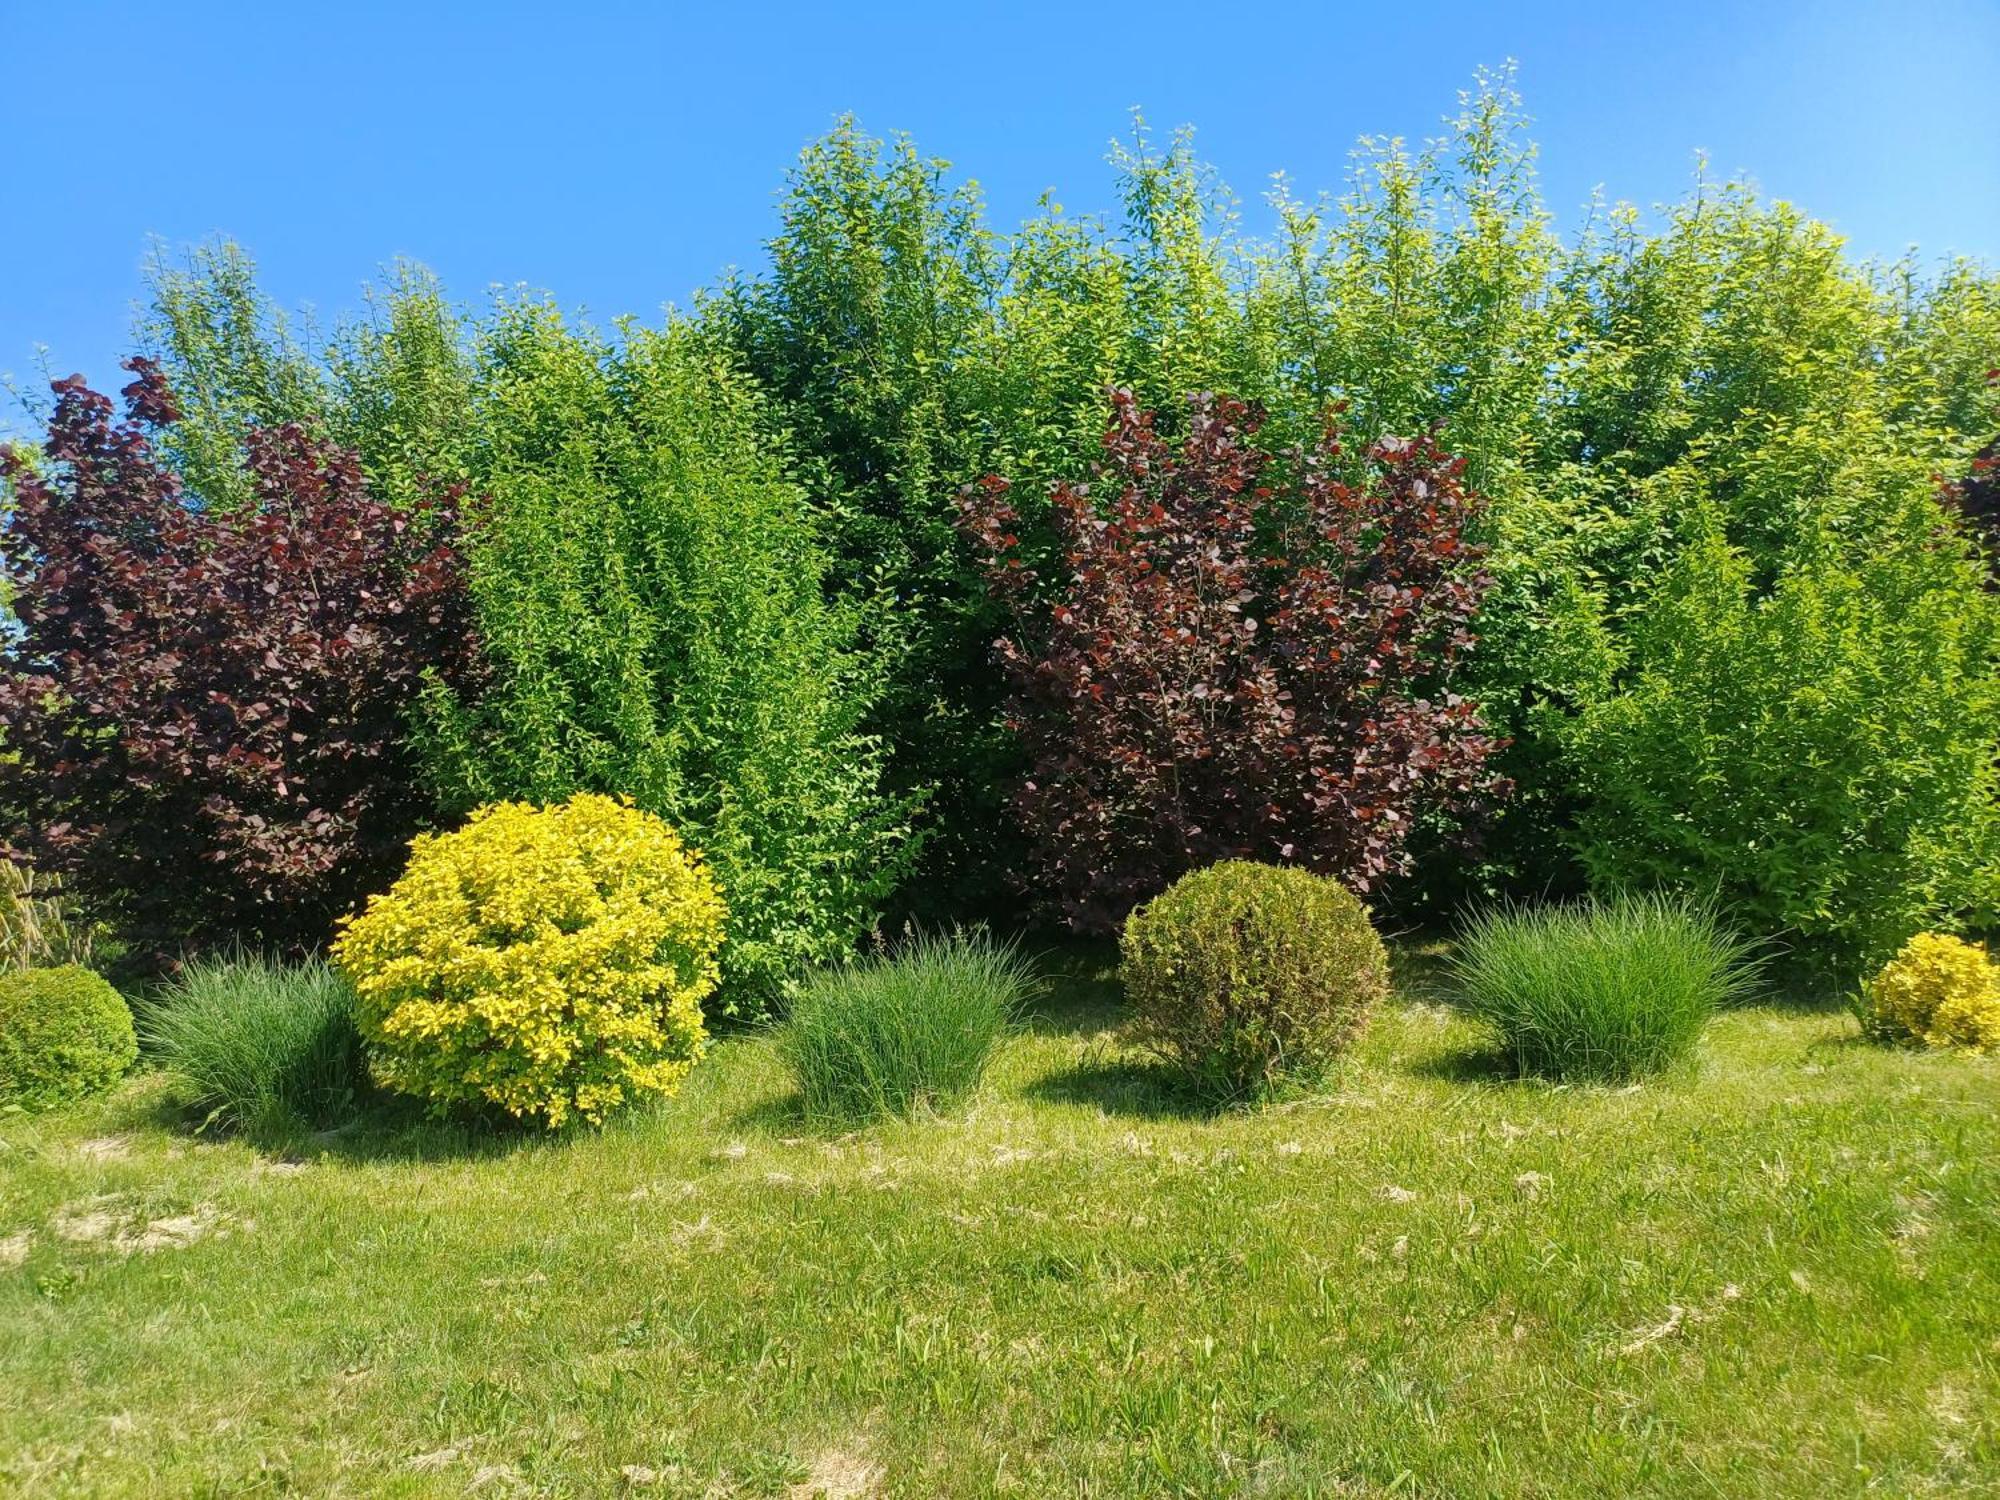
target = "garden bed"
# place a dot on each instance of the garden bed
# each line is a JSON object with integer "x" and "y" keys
{"x": 1775, "y": 1271}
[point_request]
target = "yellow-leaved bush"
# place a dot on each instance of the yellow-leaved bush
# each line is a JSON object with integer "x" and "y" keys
{"x": 1939, "y": 990}
{"x": 551, "y": 961}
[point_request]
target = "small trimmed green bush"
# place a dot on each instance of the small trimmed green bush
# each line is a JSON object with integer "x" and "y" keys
{"x": 261, "y": 1046}
{"x": 65, "y": 1034}
{"x": 903, "y": 1032}
{"x": 1243, "y": 975}
{"x": 1605, "y": 991}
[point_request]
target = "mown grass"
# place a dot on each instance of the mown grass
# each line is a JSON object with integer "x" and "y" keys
{"x": 1773, "y": 1273}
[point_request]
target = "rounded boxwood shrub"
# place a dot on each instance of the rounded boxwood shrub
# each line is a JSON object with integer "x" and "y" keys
{"x": 1939, "y": 990}
{"x": 550, "y": 961}
{"x": 65, "y": 1034}
{"x": 1241, "y": 974}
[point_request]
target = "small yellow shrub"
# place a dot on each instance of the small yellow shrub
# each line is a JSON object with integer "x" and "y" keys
{"x": 551, "y": 961}
{"x": 1939, "y": 990}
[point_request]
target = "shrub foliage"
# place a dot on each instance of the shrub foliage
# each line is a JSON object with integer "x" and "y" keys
{"x": 65, "y": 1034}
{"x": 1243, "y": 975}
{"x": 649, "y": 585}
{"x": 1229, "y": 662}
{"x": 205, "y": 711}
{"x": 1939, "y": 990}
{"x": 551, "y": 962}
{"x": 648, "y": 588}
{"x": 1591, "y": 387}
{"x": 1622, "y": 399}
{"x": 1815, "y": 747}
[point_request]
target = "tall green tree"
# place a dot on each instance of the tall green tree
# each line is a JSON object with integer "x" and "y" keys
{"x": 235, "y": 362}
{"x": 1720, "y": 372}
{"x": 879, "y": 279}
{"x": 649, "y": 593}
{"x": 394, "y": 383}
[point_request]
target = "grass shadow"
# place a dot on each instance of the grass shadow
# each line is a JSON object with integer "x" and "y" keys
{"x": 1471, "y": 1063}
{"x": 378, "y": 1128}
{"x": 782, "y": 1113}
{"x": 1121, "y": 1085}
{"x": 1476, "y": 1064}
{"x": 1858, "y": 1042}
{"x": 166, "y": 1109}
{"x": 1792, "y": 989}
{"x": 1419, "y": 967}
{"x": 402, "y": 1131}
{"x": 1079, "y": 993}
{"x": 784, "y": 1116}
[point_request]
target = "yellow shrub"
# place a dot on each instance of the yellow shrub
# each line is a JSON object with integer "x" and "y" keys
{"x": 1939, "y": 990}
{"x": 551, "y": 961}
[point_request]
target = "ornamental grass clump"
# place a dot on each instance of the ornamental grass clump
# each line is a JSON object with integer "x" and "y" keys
{"x": 1604, "y": 991}
{"x": 1939, "y": 991}
{"x": 38, "y": 928}
{"x": 550, "y": 962}
{"x": 260, "y": 1046}
{"x": 905, "y": 1032}
{"x": 1243, "y": 976}
{"x": 65, "y": 1034}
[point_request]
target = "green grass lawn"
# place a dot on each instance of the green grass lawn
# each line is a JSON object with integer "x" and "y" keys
{"x": 1777, "y": 1273}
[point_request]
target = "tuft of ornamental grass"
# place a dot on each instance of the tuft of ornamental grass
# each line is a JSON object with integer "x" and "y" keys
{"x": 1600, "y": 990}
{"x": 260, "y": 1046}
{"x": 906, "y": 1031}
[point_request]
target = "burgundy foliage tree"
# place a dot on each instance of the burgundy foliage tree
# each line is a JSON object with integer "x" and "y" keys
{"x": 204, "y": 713}
{"x": 1977, "y": 496}
{"x": 1226, "y": 655}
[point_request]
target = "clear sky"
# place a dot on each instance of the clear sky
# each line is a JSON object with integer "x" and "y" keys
{"x": 622, "y": 155}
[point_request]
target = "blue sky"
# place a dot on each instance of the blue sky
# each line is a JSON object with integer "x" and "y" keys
{"x": 622, "y": 155}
